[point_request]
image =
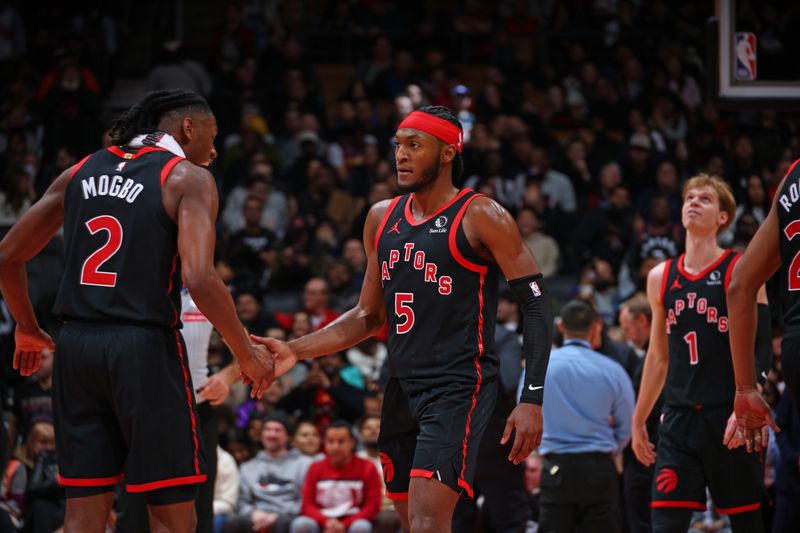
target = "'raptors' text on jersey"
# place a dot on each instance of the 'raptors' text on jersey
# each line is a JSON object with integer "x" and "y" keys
{"x": 696, "y": 311}
{"x": 789, "y": 219}
{"x": 119, "y": 243}
{"x": 440, "y": 297}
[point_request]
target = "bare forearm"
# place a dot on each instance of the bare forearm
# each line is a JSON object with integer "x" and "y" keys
{"x": 351, "y": 328}
{"x": 653, "y": 377}
{"x": 215, "y": 302}
{"x": 743, "y": 317}
{"x": 14, "y": 284}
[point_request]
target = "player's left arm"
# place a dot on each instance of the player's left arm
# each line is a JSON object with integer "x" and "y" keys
{"x": 26, "y": 238}
{"x": 498, "y": 233}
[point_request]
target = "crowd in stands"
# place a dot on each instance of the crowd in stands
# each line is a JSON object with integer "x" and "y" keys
{"x": 582, "y": 118}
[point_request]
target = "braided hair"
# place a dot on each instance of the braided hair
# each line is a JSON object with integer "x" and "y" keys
{"x": 447, "y": 114}
{"x": 146, "y": 114}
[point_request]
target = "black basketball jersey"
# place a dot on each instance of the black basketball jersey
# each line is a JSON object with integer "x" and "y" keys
{"x": 700, "y": 366}
{"x": 789, "y": 220}
{"x": 120, "y": 247}
{"x": 440, "y": 296}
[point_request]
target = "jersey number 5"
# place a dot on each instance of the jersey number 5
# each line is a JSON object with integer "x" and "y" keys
{"x": 91, "y": 273}
{"x": 791, "y": 230}
{"x": 402, "y": 309}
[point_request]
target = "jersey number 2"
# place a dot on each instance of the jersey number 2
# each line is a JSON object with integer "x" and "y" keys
{"x": 691, "y": 340}
{"x": 791, "y": 230}
{"x": 402, "y": 309}
{"x": 91, "y": 273}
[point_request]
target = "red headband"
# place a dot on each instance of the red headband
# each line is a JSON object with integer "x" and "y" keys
{"x": 438, "y": 127}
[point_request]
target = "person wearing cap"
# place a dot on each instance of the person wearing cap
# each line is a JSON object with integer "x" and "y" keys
{"x": 639, "y": 168}
{"x": 270, "y": 490}
{"x": 435, "y": 255}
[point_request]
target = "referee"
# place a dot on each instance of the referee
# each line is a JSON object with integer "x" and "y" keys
{"x": 587, "y": 412}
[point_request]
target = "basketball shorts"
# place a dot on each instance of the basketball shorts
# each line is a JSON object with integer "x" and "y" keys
{"x": 125, "y": 412}
{"x": 433, "y": 433}
{"x": 690, "y": 456}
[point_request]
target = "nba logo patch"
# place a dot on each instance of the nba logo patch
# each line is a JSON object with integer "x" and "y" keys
{"x": 746, "y": 63}
{"x": 121, "y": 166}
{"x": 535, "y": 288}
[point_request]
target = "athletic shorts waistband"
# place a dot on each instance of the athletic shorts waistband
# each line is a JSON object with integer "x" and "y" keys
{"x": 106, "y": 324}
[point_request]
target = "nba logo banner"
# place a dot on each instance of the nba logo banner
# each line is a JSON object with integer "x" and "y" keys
{"x": 745, "y": 56}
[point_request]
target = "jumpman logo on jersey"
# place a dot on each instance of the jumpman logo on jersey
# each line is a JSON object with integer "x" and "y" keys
{"x": 394, "y": 228}
{"x": 676, "y": 285}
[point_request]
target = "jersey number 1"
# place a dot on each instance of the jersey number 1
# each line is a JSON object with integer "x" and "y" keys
{"x": 691, "y": 340}
{"x": 90, "y": 272}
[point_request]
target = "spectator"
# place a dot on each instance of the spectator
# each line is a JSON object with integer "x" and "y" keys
{"x": 248, "y": 307}
{"x": 316, "y": 297}
{"x": 342, "y": 491}
{"x": 368, "y": 356}
{"x": 369, "y": 428}
{"x": 226, "y": 489}
{"x": 306, "y": 440}
{"x": 544, "y": 247}
{"x": 33, "y": 400}
{"x": 586, "y": 423}
{"x": 271, "y": 483}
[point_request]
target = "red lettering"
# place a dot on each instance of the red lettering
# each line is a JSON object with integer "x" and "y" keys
{"x": 711, "y": 316}
{"x": 430, "y": 272}
{"x": 419, "y": 260}
{"x": 409, "y": 246}
{"x": 702, "y": 306}
{"x": 679, "y": 305}
{"x": 691, "y": 297}
{"x": 394, "y": 257}
{"x": 385, "y": 272}
{"x": 445, "y": 285}
{"x": 722, "y": 325}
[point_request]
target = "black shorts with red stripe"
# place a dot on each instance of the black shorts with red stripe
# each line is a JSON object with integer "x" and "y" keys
{"x": 433, "y": 433}
{"x": 125, "y": 411}
{"x": 690, "y": 457}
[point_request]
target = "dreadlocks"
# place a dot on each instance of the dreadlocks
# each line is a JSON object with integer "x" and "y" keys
{"x": 146, "y": 114}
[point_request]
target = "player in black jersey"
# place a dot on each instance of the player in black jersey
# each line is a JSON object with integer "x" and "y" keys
{"x": 775, "y": 245}
{"x": 434, "y": 258}
{"x": 138, "y": 218}
{"x": 689, "y": 357}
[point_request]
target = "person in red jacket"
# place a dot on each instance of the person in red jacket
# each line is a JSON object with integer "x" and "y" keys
{"x": 342, "y": 492}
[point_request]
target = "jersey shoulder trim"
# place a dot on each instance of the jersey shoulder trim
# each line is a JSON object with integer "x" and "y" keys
{"x": 414, "y": 222}
{"x": 705, "y": 272}
{"x": 169, "y": 166}
{"x": 665, "y": 279}
{"x": 385, "y": 219}
{"x": 451, "y": 239}
{"x": 78, "y": 166}
{"x": 729, "y": 273}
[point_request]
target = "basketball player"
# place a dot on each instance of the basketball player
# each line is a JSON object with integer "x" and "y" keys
{"x": 122, "y": 394}
{"x": 433, "y": 261}
{"x": 689, "y": 358}
{"x": 774, "y": 245}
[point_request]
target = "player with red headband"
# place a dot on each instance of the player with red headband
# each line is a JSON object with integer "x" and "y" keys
{"x": 435, "y": 254}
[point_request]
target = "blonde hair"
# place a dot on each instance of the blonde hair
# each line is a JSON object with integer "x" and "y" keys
{"x": 727, "y": 203}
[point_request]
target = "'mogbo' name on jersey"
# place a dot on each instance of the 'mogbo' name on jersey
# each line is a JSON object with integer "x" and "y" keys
{"x": 701, "y": 307}
{"x": 122, "y": 188}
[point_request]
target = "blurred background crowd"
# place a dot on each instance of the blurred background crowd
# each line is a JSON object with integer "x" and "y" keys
{"x": 583, "y": 118}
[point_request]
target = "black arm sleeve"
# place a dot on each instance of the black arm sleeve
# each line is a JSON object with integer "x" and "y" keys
{"x": 763, "y": 346}
{"x": 537, "y": 333}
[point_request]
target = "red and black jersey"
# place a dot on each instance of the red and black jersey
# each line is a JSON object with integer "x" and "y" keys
{"x": 700, "y": 366}
{"x": 789, "y": 220}
{"x": 121, "y": 248}
{"x": 440, "y": 296}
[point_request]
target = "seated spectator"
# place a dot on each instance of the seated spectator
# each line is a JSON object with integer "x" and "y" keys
{"x": 316, "y": 297}
{"x": 343, "y": 491}
{"x": 271, "y": 483}
{"x": 324, "y": 396}
{"x": 307, "y": 441}
{"x": 368, "y": 356}
{"x": 33, "y": 400}
{"x": 543, "y": 246}
{"x": 251, "y": 251}
{"x": 251, "y": 313}
{"x": 369, "y": 428}
{"x": 226, "y": 488}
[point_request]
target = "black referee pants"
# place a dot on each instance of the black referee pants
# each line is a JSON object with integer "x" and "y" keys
{"x": 579, "y": 493}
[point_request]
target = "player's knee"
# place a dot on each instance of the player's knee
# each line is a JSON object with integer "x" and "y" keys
{"x": 426, "y": 523}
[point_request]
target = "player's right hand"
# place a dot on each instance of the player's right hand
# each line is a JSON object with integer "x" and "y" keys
{"x": 258, "y": 370}
{"x": 643, "y": 449}
{"x": 754, "y": 418}
{"x": 285, "y": 358}
{"x": 29, "y": 348}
